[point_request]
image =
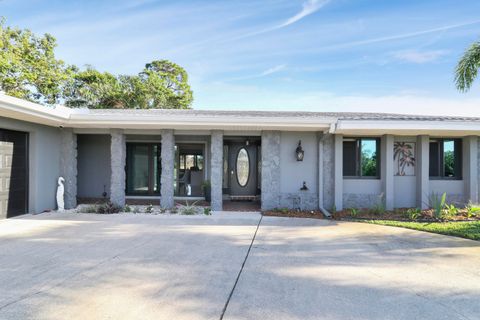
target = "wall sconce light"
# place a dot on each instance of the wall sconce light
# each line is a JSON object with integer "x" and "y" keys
{"x": 299, "y": 151}
{"x": 247, "y": 142}
{"x": 304, "y": 187}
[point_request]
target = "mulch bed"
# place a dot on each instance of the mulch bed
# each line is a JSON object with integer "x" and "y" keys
{"x": 294, "y": 214}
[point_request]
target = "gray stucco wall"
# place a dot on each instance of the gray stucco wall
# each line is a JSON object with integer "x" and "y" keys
{"x": 93, "y": 159}
{"x": 44, "y": 162}
{"x": 293, "y": 173}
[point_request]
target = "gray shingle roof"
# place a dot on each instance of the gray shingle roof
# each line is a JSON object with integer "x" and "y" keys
{"x": 280, "y": 114}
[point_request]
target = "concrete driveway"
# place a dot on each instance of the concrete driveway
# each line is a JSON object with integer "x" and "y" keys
{"x": 78, "y": 266}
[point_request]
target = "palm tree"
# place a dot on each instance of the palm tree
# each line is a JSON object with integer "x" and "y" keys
{"x": 467, "y": 68}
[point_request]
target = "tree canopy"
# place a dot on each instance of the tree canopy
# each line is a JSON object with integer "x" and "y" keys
{"x": 467, "y": 68}
{"x": 30, "y": 70}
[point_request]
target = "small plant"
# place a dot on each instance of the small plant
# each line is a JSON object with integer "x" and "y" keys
{"x": 163, "y": 210}
{"x": 136, "y": 210}
{"x": 437, "y": 203}
{"x": 87, "y": 209}
{"x": 174, "y": 210}
{"x": 149, "y": 208}
{"x": 353, "y": 212}
{"x": 472, "y": 210}
{"x": 379, "y": 206}
{"x": 207, "y": 211}
{"x": 450, "y": 211}
{"x": 413, "y": 213}
{"x": 108, "y": 208}
{"x": 127, "y": 208}
{"x": 334, "y": 209}
{"x": 188, "y": 209}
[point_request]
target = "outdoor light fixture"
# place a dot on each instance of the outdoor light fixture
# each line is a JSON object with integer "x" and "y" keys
{"x": 299, "y": 151}
{"x": 247, "y": 142}
{"x": 304, "y": 186}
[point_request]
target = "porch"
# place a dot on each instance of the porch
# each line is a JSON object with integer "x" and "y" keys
{"x": 167, "y": 168}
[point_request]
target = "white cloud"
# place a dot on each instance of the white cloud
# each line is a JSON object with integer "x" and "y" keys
{"x": 273, "y": 70}
{"x": 419, "y": 57}
{"x": 308, "y": 7}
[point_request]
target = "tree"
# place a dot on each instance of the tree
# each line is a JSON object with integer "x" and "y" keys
{"x": 29, "y": 70}
{"x": 161, "y": 84}
{"x": 28, "y": 67}
{"x": 467, "y": 68}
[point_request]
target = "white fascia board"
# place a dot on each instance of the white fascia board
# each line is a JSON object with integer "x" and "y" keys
{"x": 406, "y": 127}
{"x": 32, "y": 112}
{"x": 195, "y": 122}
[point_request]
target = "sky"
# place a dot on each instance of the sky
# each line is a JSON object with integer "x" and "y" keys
{"x": 393, "y": 56}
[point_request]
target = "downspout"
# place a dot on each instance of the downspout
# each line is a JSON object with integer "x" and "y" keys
{"x": 320, "y": 177}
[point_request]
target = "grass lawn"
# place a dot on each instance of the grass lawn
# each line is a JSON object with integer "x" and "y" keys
{"x": 468, "y": 230}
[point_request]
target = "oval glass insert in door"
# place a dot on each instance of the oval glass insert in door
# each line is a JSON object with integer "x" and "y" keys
{"x": 243, "y": 167}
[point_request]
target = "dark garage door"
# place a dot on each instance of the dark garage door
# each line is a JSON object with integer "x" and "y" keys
{"x": 13, "y": 173}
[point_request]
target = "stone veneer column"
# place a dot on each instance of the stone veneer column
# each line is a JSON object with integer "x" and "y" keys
{"x": 422, "y": 171}
{"x": 386, "y": 172}
{"x": 270, "y": 169}
{"x": 470, "y": 165}
{"x": 338, "y": 172}
{"x": 167, "y": 177}
{"x": 68, "y": 166}
{"x": 216, "y": 170}
{"x": 118, "y": 154}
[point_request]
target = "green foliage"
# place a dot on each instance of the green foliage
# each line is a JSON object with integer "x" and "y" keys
{"x": 207, "y": 211}
{"x": 162, "y": 84}
{"x": 28, "y": 67}
{"x": 467, "y": 68}
{"x": 353, "y": 212}
{"x": 108, "y": 208}
{"x": 369, "y": 164}
{"x": 149, "y": 209}
{"x": 413, "y": 213}
{"x": 450, "y": 211}
{"x": 127, "y": 208}
{"x": 437, "y": 203}
{"x": 88, "y": 209}
{"x": 379, "y": 206}
{"x": 449, "y": 163}
{"x": 188, "y": 209}
{"x": 469, "y": 230}
{"x": 29, "y": 70}
{"x": 472, "y": 210}
{"x": 174, "y": 210}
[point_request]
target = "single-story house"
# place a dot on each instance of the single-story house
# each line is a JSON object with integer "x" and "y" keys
{"x": 306, "y": 160}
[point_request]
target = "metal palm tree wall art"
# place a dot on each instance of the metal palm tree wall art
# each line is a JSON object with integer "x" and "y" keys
{"x": 404, "y": 157}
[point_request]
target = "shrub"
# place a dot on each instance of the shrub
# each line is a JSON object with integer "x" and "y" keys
{"x": 449, "y": 211}
{"x": 353, "y": 212}
{"x": 437, "y": 203}
{"x": 108, "y": 208}
{"x": 188, "y": 209}
{"x": 163, "y": 210}
{"x": 87, "y": 209}
{"x": 207, "y": 211}
{"x": 127, "y": 208}
{"x": 149, "y": 208}
{"x": 413, "y": 213}
{"x": 472, "y": 210}
{"x": 379, "y": 206}
{"x": 174, "y": 210}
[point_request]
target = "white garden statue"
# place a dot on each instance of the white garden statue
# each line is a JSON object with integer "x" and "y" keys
{"x": 60, "y": 194}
